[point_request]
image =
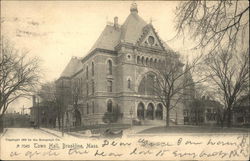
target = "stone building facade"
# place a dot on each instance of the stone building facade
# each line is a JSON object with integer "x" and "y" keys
{"x": 115, "y": 75}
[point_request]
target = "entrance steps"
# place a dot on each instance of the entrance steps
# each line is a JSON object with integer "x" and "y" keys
{"x": 156, "y": 122}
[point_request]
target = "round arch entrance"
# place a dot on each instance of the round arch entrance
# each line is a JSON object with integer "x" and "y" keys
{"x": 77, "y": 116}
{"x": 150, "y": 111}
{"x": 159, "y": 112}
{"x": 140, "y": 111}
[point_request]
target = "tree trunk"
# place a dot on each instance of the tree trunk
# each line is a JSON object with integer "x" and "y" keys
{"x": 196, "y": 118}
{"x": 223, "y": 118}
{"x": 59, "y": 121}
{"x": 229, "y": 117}
{"x": 1, "y": 124}
{"x": 167, "y": 117}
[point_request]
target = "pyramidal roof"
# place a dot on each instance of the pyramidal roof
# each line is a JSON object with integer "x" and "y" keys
{"x": 73, "y": 66}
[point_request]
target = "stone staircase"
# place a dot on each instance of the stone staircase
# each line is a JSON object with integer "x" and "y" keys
{"x": 156, "y": 122}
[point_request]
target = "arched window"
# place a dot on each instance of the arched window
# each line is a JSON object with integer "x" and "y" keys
{"x": 155, "y": 63}
{"x": 142, "y": 60}
{"x": 146, "y": 61}
{"x": 129, "y": 83}
{"x": 138, "y": 60}
{"x": 93, "y": 69}
{"x": 109, "y": 70}
{"x": 151, "y": 62}
{"x": 87, "y": 72}
{"x": 109, "y": 106}
{"x": 148, "y": 85}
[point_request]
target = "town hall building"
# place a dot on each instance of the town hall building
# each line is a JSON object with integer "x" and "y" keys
{"x": 115, "y": 75}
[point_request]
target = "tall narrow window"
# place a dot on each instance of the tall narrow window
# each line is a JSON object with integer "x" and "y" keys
{"x": 87, "y": 108}
{"x": 93, "y": 107}
{"x": 109, "y": 67}
{"x": 109, "y": 86}
{"x": 109, "y": 106}
{"x": 129, "y": 83}
{"x": 87, "y": 72}
{"x": 93, "y": 69}
{"x": 93, "y": 87}
{"x": 87, "y": 88}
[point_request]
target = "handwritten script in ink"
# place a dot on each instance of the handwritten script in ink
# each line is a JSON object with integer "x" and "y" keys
{"x": 213, "y": 147}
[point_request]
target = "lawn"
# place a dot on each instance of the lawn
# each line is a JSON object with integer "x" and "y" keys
{"x": 101, "y": 127}
{"x": 193, "y": 129}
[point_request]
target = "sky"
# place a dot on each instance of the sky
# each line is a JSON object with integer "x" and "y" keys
{"x": 55, "y": 31}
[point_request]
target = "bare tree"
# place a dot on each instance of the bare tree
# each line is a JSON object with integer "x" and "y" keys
{"x": 49, "y": 98}
{"x": 76, "y": 96}
{"x": 228, "y": 76}
{"x": 173, "y": 81}
{"x": 214, "y": 23}
{"x": 19, "y": 75}
{"x": 76, "y": 93}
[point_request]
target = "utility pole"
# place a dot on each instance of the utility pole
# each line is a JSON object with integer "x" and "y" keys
{"x": 23, "y": 110}
{"x": 62, "y": 105}
{"x": 38, "y": 118}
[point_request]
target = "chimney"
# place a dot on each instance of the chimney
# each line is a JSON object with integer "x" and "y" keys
{"x": 116, "y": 22}
{"x": 133, "y": 8}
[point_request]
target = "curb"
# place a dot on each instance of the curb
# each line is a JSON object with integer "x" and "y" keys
{"x": 4, "y": 131}
{"x": 49, "y": 132}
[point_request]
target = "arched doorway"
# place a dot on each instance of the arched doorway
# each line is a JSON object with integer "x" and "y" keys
{"x": 150, "y": 111}
{"x": 77, "y": 118}
{"x": 159, "y": 112}
{"x": 140, "y": 111}
{"x": 109, "y": 106}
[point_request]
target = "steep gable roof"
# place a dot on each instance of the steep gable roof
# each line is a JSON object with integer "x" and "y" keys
{"x": 130, "y": 32}
{"x": 73, "y": 66}
{"x": 108, "y": 39}
{"x": 132, "y": 28}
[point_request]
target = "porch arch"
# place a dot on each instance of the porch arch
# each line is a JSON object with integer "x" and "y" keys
{"x": 159, "y": 112}
{"x": 150, "y": 111}
{"x": 140, "y": 111}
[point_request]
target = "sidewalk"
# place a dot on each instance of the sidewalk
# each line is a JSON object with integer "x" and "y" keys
{"x": 87, "y": 133}
{"x": 57, "y": 133}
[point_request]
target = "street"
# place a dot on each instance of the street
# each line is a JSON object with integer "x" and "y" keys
{"x": 27, "y": 133}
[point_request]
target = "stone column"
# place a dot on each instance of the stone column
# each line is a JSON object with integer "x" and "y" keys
{"x": 154, "y": 113}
